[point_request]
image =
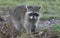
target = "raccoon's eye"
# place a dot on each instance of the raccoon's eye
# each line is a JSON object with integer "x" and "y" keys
{"x": 31, "y": 14}
{"x": 36, "y": 14}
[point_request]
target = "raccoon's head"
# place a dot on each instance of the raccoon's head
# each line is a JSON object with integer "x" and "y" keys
{"x": 33, "y": 12}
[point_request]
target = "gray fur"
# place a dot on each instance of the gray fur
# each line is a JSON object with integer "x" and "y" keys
{"x": 20, "y": 17}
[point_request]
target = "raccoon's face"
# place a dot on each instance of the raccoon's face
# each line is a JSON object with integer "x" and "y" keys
{"x": 33, "y": 16}
{"x": 33, "y": 12}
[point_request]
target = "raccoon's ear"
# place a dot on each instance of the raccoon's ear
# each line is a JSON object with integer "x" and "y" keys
{"x": 39, "y": 7}
{"x": 29, "y": 7}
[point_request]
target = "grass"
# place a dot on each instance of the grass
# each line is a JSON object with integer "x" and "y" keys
{"x": 50, "y": 15}
{"x": 46, "y": 4}
{"x": 56, "y": 27}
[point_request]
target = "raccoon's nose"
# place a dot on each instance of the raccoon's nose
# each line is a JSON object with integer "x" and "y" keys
{"x": 35, "y": 17}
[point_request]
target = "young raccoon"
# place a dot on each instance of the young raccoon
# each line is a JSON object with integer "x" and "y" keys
{"x": 31, "y": 17}
{"x": 25, "y": 17}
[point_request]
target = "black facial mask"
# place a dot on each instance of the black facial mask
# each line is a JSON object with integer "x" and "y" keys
{"x": 34, "y": 14}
